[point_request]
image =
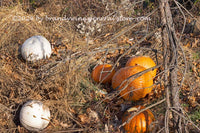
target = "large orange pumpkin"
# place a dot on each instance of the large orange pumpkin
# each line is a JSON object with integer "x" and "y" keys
{"x": 136, "y": 89}
{"x": 144, "y": 61}
{"x": 140, "y": 123}
{"x": 102, "y": 73}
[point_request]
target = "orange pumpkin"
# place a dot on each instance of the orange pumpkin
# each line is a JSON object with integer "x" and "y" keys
{"x": 136, "y": 89}
{"x": 102, "y": 73}
{"x": 144, "y": 61}
{"x": 140, "y": 123}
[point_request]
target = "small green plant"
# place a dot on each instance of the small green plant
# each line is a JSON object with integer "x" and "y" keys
{"x": 185, "y": 105}
{"x": 196, "y": 55}
{"x": 32, "y": 1}
{"x": 196, "y": 2}
{"x": 195, "y": 116}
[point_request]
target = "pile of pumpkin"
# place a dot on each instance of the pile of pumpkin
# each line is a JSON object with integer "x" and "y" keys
{"x": 132, "y": 84}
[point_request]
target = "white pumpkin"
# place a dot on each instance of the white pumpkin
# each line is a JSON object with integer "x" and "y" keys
{"x": 34, "y": 115}
{"x": 35, "y": 48}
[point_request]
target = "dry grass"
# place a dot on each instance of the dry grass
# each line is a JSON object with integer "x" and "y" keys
{"x": 55, "y": 81}
{"x": 63, "y": 82}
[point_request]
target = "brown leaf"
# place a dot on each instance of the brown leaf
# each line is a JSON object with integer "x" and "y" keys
{"x": 192, "y": 101}
{"x": 61, "y": 90}
{"x": 187, "y": 45}
{"x": 17, "y": 76}
{"x": 72, "y": 110}
{"x": 64, "y": 125}
{"x": 108, "y": 34}
{"x": 55, "y": 50}
{"x": 194, "y": 44}
{"x": 83, "y": 118}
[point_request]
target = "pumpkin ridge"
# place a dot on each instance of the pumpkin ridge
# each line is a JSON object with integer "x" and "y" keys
{"x": 102, "y": 73}
{"x": 144, "y": 61}
{"x": 141, "y": 123}
{"x": 136, "y": 87}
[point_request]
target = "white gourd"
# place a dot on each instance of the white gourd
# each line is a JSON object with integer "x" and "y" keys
{"x": 34, "y": 115}
{"x": 36, "y": 48}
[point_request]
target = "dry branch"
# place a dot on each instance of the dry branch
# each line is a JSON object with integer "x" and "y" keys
{"x": 171, "y": 46}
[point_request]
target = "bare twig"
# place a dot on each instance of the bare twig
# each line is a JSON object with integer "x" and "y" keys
{"x": 165, "y": 63}
{"x": 178, "y": 43}
{"x": 181, "y": 115}
{"x": 4, "y": 108}
{"x": 72, "y": 130}
{"x": 161, "y": 130}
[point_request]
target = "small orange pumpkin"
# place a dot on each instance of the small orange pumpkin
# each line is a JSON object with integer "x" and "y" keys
{"x": 140, "y": 123}
{"x": 102, "y": 73}
{"x": 136, "y": 89}
{"x": 144, "y": 61}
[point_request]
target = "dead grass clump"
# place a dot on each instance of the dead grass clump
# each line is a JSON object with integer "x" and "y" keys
{"x": 55, "y": 81}
{"x": 13, "y": 25}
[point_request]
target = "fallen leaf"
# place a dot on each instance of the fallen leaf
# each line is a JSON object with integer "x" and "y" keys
{"x": 108, "y": 34}
{"x": 61, "y": 90}
{"x": 106, "y": 128}
{"x": 192, "y": 101}
{"x": 64, "y": 125}
{"x": 132, "y": 109}
{"x": 83, "y": 118}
